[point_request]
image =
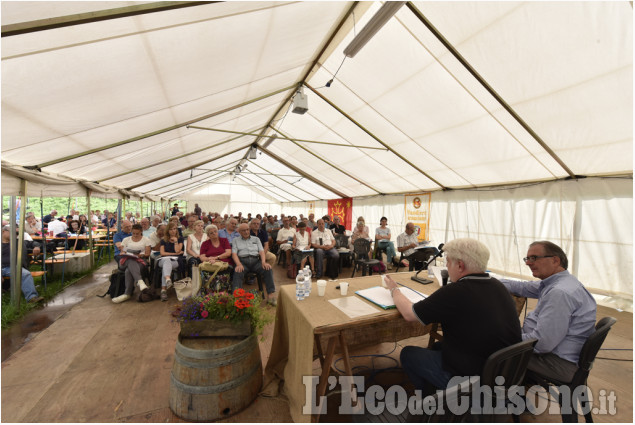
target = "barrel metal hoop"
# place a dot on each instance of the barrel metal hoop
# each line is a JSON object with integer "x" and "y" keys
{"x": 215, "y": 389}
{"x": 210, "y": 354}
{"x": 210, "y": 363}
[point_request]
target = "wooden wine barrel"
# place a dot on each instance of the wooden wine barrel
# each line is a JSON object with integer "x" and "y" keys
{"x": 213, "y": 378}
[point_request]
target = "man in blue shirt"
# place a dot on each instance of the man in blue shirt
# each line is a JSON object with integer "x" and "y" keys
{"x": 126, "y": 228}
{"x": 229, "y": 232}
{"x": 564, "y": 316}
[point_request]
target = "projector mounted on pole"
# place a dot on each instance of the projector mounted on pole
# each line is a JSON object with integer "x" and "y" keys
{"x": 300, "y": 102}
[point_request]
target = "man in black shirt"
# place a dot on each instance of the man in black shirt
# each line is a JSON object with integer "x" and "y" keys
{"x": 476, "y": 312}
{"x": 337, "y": 227}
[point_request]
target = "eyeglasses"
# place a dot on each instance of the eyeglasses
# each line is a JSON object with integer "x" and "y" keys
{"x": 533, "y": 258}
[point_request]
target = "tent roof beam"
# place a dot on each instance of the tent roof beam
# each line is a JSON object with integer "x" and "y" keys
{"x": 487, "y": 87}
{"x": 187, "y": 168}
{"x": 302, "y": 173}
{"x": 96, "y": 16}
{"x": 161, "y": 131}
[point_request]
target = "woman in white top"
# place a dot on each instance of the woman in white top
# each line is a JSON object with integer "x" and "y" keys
{"x": 135, "y": 250}
{"x": 382, "y": 239}
{"x": 194, "y": 242}
{"x": 302, "y": 241}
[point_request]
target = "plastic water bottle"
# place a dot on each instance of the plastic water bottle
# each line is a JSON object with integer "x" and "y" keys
{"x": 299, "y": 286}
{"x": 307, "y": 281}
{"x": 430, "y": 273}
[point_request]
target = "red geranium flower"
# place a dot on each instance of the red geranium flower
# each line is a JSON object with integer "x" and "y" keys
{"x": 240, "y": 292}
{"x": 204, "y": 313}
{"x": 249, "y": 296}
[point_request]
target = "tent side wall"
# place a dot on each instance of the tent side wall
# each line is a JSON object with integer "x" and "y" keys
{"x": 591, "y": 219}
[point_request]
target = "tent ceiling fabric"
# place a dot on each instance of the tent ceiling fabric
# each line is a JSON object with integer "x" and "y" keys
{"x": 114, "y": 98}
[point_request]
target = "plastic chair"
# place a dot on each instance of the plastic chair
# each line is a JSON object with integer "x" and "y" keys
{"x": 510, "y": 363}
{"x": 361, "y": 249}
{"x": 341, "y": 244}
{"x": 585, "y": 364}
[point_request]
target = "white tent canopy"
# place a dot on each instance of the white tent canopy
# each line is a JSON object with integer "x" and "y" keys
{"x": 166, "y": 99}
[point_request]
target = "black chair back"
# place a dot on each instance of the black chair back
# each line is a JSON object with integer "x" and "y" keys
{"x": 510, "y": 363}
{"x": 341, "y": 241}
{"x": 592, "y": 346}
{"x": 585, "y": 364}
{"x": 361, "y": 248}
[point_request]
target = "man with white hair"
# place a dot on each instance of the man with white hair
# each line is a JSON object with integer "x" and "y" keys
{"x": 230, "y": 233}
{"x": 476, "y": 312}
{"x": 147, "y": 229}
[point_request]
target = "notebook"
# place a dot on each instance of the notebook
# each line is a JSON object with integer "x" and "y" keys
{"x": 381, "y": 296}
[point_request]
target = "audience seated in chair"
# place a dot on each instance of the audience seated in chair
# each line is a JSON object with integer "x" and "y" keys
{"x": 302, "y": 242}
{"x": 285, "y": 239}
{"x": 229, "y": 232}
{"x": 193, "y": 245}
{"x": 323, "y": 243}
{"x": 171, "y": 256}
{"x": 118, "y": 237}
{"x": 360, "y": 231}
{"x": 28, "y": 285}
{"x": 249, "y": 256}
{"x": 255, "y": 230}
{"x": 336, "y": 227}
{"x": 382, "y": 241}
{"x": 406, "y": 244}
{"x": 138, "y": 246}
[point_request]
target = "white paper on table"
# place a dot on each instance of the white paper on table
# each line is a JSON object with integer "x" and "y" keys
{"x": 382, "y": 297}
{"x": 353, "y": 306}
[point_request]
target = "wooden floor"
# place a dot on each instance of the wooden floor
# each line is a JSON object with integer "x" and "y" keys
{"x": 101, "y": 362}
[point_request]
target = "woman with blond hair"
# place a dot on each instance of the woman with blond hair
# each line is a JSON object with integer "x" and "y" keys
{"x": 194, "y": 242}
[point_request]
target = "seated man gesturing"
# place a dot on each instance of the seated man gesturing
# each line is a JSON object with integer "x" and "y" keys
{"x": 476, "y": 312}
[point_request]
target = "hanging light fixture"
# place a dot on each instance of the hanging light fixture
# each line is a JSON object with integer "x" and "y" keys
{"x": 382, "y": 16}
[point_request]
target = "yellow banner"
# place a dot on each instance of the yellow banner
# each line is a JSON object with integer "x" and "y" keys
{"x": 418, "y": 212}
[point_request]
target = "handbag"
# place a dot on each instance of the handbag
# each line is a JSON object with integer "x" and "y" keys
{"x": 214, "y": 268}
{"x": 183, "y": 288}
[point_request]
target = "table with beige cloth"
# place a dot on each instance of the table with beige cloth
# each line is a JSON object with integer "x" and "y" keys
{"x": 302, "y": 328}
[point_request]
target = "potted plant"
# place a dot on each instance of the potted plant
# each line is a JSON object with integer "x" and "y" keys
{"x": 222, "y": 314}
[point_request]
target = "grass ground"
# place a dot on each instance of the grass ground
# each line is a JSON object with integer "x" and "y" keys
{"x": 11, "y": 313}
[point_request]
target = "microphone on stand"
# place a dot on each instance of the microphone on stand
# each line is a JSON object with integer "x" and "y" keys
{"x": 421, "y": 280}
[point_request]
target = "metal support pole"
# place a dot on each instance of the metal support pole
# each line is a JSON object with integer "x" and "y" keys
{"x": 44, "y": 244}
{"x": 90, "y": 230}
{"x": 20, "y": 252}
{"x": 119, "y": 214}
{"x": 15, "y": 284}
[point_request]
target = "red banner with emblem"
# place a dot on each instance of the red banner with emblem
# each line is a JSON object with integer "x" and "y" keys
{"x": 343, "y": 208}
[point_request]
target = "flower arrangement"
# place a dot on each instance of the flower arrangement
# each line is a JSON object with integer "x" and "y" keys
{"x": 237, "y": 307}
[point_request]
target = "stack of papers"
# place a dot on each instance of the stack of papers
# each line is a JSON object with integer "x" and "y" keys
{"x": 381, "y": 296}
